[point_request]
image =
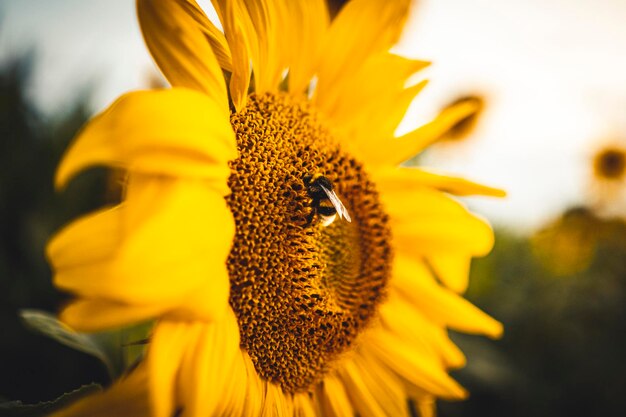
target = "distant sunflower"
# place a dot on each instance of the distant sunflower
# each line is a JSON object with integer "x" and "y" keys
{"x": 609, "y": 163}
{"x": 608, "y": 177}
{"x": 568, "y": 244}
{"x": 293, "y": 268}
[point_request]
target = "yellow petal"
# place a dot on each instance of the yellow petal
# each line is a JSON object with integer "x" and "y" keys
{"x": 178, "y": 44}
{"x": 374, "y": 390}
{"x": 92, "y": 315}
{"x": 427, "y": 222}
{"x": 308, "y": 22}
{"x": 128, "y": 397}
{"x": 376, "y": 127}
{"x": 358, "y": 391}
{"x": 215, "y": 37}
{"x": 407, "y": 179}
{"x": 452, "y": 269}
{"x": 175, "y": 132}
{"x": 276, "y": 404}
{"x": 377, "y": 85}
{"x": 363, "y": 28}
{"x": 168, "y": 345}
{"x": 90, "y": 239}
{"x": 272, "y": 33}
{"x": 242, "y": 40}
{"x": 394, "y": 151}
{"x": 412, "y": 280}
{"x": 406, "y": 321}
{"x": 255, "y": 389}
{"x": 413, "y": 366}
{"x": 303, "y": 405}
{"x": 426, "y": 407}
{"x": 242, "y": 402}
{"x": 166, "y": 231}
{"x": 212, "y": 363}
{"x": 437, "y": 234}
{"x": 333, "y": 398}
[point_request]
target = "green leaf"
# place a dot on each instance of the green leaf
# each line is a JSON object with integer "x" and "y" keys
{"x": 47, "y": 324}
{"x": 19, "y": 409}
{"x": 117, "y": 349}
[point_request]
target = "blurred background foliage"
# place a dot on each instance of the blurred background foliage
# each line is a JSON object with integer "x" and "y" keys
{"x": 560, "y": 292}
{"x": 34, "y": 367}
{"x": 565, "y": 325}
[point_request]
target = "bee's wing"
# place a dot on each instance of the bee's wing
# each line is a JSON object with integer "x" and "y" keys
{"x": 341, "y": 209}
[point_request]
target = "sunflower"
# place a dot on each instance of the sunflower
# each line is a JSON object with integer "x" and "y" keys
{"x": 290, "y": 265}
{"x": 567, "y": 245}
{"x": 609, "y": 163}
{"x": 608, "y": 178}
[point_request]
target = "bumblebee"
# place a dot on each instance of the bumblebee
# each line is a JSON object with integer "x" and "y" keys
{"x": 326, "y": 204}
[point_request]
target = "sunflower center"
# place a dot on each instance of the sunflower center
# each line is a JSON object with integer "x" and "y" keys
{"x": 611, "y": 164}
{"x": 302, "y": 290}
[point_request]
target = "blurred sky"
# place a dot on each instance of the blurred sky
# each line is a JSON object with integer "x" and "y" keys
{"x": 553, "y": 71}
